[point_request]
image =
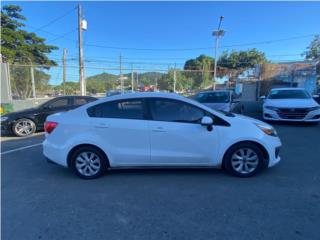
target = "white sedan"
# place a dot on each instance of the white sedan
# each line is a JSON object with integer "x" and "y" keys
{"x": 157, "y": 130}
{"x": 291, "y": 104}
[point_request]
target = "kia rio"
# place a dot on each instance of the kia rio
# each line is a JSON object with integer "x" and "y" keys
{"x": 157, "y": 130}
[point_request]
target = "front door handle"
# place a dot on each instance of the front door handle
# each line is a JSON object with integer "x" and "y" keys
{"x": 159, "y": 129}
{"x": 101, "y": 125}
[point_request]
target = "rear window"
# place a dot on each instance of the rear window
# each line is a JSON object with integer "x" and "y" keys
{"x": 124, "y": 109}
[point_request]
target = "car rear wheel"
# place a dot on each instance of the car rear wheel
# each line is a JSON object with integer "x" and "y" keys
{"x": 88, "y": 162}
{"x": 24, "y": 127}
{"x": 243, "y": 160}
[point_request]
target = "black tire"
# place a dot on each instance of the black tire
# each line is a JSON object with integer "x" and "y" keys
{"x": 75, "y": 165}
{"x": 19, "y": 130}
{"x": 230, "y": 162}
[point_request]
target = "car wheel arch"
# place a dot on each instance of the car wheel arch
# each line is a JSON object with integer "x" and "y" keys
{"x": 73, "y": 149}
{"x": 257, "y": 144}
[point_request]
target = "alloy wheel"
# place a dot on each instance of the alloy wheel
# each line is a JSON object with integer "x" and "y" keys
{"x": 24, "y": 127}
{"x": 244, "y": 160}
{"x": 88, "y": 163}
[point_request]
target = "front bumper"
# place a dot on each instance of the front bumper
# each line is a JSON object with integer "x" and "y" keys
{"x": 271, "y": 115}
{"x": 6, "y": 128}
{"x": 273, "y": 147}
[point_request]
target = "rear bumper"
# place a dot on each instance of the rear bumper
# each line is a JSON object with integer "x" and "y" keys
{"x": 54, "y": 153}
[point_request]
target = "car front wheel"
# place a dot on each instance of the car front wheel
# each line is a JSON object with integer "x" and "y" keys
{"x": 24, "y": 127}
{"x": 243, "y": 160}
{"x": 88, "y": 162}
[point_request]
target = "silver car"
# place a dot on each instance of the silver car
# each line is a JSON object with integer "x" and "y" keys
{"x": 222, "y": 100}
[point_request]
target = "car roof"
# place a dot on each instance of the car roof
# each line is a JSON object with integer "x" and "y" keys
{"x": 287, "y": 89}
{"x": 143, "y": 95}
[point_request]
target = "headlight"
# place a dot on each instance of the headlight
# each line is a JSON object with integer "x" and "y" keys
{"x": 4, "y": 119}
{"x": 271, "y": 108}
{"x": 314, "y": 108}
{"x": 267, "y": 129}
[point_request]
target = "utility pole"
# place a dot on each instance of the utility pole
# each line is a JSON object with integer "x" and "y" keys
{"x": 33, "y": 82}
{"x": 64, "y": 70}
{"x": 218, "y": 33}
{"x": 121, "y": 77}
{"x": 81, "y": 67}
{"x": 132, "y": 84}
{"x": 174, "y": 79}
{"x": 137, "y": 79}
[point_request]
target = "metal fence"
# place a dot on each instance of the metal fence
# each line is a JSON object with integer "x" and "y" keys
{"x": 29, "y": 81}
{"x": 38, "y": 82}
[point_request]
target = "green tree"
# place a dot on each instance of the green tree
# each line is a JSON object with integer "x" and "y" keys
{"x": 71, "y": 88}
{"x": 313, "y": 53}
{"x": 313, "y": 50}
{"x": 25, "y": 48}
{"x": 203, "y": 65}
{"x": 236, "y": 62}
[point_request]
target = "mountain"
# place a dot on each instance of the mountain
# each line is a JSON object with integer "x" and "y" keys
{"x": 105, "y": 81}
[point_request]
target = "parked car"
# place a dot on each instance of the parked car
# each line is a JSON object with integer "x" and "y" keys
{"x": 157, "y": 130}
{"x": 291, "y": 104}
{"x": 26, "y": 122}
{"x": 222, "y": 100}
{"x": 316, "y": 97}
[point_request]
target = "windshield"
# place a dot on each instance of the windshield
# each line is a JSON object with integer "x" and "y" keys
{"x": 288, "y": 94}
{"x": 213, "y": 97}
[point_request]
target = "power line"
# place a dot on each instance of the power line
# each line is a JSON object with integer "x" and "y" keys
{"x": 184, "y": 49}
{"x": 55, "y": 20}
{"x": 62, "y": 36}
{"x": 199, "y": 48}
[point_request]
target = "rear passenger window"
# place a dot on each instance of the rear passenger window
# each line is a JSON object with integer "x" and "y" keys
{"x": 125, "y": 109}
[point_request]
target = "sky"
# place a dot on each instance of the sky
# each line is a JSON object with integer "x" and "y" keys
{"x": 168, "y": 29}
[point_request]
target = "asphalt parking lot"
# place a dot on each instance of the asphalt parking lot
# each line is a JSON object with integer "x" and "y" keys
{"x": 45, "y": 201}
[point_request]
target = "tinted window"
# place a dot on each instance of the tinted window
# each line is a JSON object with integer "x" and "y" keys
{"x": 288, "y": 94}
{"x": 59, "y": 103}
{"x": 126, "y": 109}
{"x": 175, "y": 111}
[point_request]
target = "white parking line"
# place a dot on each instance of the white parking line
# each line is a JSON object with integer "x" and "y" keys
{"x": 21, "y": 148}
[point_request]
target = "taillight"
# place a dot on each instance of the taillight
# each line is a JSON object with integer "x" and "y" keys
{"x": 50, "y": 126}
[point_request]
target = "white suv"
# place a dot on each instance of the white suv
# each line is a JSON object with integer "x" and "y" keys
{"x": 157, "y": 130}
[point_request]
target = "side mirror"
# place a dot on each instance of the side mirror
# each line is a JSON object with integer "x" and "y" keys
{"x": 208, "y": 122}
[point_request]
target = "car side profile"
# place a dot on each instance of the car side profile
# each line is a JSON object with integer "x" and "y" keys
{"x": 157, "y": 130}
{"x": 223, "y": 100}
{"x": 291, "y": 104}
{"x": 26, "y": 122}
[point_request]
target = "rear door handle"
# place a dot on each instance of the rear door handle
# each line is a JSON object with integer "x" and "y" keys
{"x": 101, "y": 125}
{"x": 159, "y": 129}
